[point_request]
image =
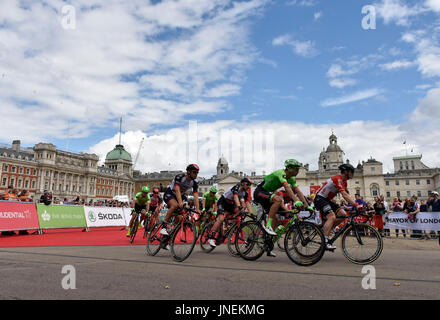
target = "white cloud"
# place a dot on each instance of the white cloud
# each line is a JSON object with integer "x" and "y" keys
{"x": 399, "y": 64}
{"x": 342, "y": 83}
{"x": 302, "y": 48}
{"x": 397, "y": 11}
{"x": 302, "y": 3}
{"x": 169, "y": 150}
{"x": 317, "y": 15}
{"x": 354, "y": 97}
{"x": 433, "y": 5}
{"x": 119, "y": 54}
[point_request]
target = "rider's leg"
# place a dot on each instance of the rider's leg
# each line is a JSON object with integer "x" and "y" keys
{"x": 173, "y": 205}
{"x": 272, "y": 223}
{"x": 215, "y": 229}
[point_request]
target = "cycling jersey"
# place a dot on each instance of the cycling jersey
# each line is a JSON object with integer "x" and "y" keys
{"x": 184, "y": 184}
{"x": 155, "y": 201}
{"x": 140, "y": 200}
{"x": 276, "y": 180}
{"x": 209, "y": 200}
{"x": 243, "y": 195}
{"x": 332, "y": 187}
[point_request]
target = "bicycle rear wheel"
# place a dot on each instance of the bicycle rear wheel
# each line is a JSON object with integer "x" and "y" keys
{"x": 134, "y": 229}
{"x": 204, "y": 237}
{"x": 153, "y": 240}
{"x": 361, "y": 244}
{"x": 182, "y": 241}
{"x": 304, "y": 243}
{"x": 249, "y": 241}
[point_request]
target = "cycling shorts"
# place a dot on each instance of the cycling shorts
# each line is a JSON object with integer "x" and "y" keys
{"x": 325, "y": 206}
{"x": 263, "y": 197}
{"x": 225, "y": 207}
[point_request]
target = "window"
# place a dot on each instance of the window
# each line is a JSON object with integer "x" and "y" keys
{"x": 19, "y": 183}
{"x": 388, "y": 194}
{"x": 387, "y": 183}
{"x": 12, "y": 183}
{"x": 408, "y": 193}
{"x": 4, "y": 181}
{"x": 397, "y": 182}
{"x": 67, "y": 187}
{"x": 417, "y": 182}
{"x": 407, "y": 182}
{"x": 33, "y": 184}
{"x": 28, "y": 171}
{"x": 373, "y": 169}
{"x": 6, "y": 168}
{"x": 398, "y": 194}
{"x": 20, "y": 170}
{"x": 428, "y": 181}
{"x": 374, "y": 190}
{"x": 419, "y": 193}
{"x": 26, "y": 184}
{"x": 13, "y": 169}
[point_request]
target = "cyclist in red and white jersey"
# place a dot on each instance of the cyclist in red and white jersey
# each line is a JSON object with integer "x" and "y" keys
{"x": 329, "y": 209}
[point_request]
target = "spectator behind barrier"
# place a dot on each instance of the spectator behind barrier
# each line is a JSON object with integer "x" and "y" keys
{"x": 24, "y": 196}
{"x": 45, "y": 198}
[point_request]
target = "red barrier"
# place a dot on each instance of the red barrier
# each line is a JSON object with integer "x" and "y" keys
{"x": 18, "y": 216}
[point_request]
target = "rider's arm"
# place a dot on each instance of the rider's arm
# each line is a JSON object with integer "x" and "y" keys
{"x": 347, "y": 198}
{"x": 196, "y": 201}
{"x": 178, "y": 195}
{"x": 237, "y": 200}
{"x": 204, "y": 203}
{"x": 301, "y": 196}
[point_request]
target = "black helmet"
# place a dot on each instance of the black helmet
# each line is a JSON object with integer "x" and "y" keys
{"x": 346, "y": 166}
{"x": 192, "y": 167}
{"x": 246, "y": 180}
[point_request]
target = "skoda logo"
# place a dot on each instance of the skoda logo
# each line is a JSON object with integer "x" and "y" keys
{"x": 92, "y": 216}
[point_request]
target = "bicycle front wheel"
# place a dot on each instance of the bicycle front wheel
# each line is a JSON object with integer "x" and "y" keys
{"x": 134, "y": 230}
{"x": 231, "y": 241}
{"x": 361, "y": 244}
{"x": 182, "y": 241}
{"x": 304, "y": 243}
{"x": 153, "y": 240}
{"x": 249, "y": 241}
{"x": 204, "y": 238}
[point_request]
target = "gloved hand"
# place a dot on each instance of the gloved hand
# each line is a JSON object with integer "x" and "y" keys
{"x": 298, "y": 204}
{"x": 310, "y": 208}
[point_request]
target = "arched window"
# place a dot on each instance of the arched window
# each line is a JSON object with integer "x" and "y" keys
{"x": 375, "y": 191}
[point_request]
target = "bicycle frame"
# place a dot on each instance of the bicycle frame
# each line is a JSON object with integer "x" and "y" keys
{"x": 351, "y": 222}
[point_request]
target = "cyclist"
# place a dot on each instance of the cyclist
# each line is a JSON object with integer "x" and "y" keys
{"x": 229, "y": 204}
{"x": 156, "y": 204}
{"x": 264, "y": 193}
{"x": 209, "y": 204}
{"x": 141, "y": 204}
{"x": 178, "y": 187}
{"x": 330, "y": 209}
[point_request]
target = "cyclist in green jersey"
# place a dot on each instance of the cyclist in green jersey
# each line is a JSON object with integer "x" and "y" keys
{"x": 265, "y": 194}
{"x": 141, "y": 204}
{"x": 209, "y": 204}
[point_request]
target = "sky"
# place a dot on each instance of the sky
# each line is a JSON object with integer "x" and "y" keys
{"x": 257, "y": 81}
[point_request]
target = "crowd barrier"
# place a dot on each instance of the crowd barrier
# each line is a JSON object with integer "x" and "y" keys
{"x": 15, "y": 216}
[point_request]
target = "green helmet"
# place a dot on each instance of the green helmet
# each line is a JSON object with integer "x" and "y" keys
{"x": 213, "y": 189}
{"x": 145, "y": 189}
{"x": 292, "y": 163}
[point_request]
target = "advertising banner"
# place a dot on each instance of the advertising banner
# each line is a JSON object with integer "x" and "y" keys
{"x": 104, "y": 217}
{"x": 59, "y": 216}
{"x": 422, "y": 221}
{"x": 127, "y": 215}
{"x": 18, "y": 216}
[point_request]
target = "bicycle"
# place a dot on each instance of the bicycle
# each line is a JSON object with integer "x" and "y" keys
{"x": 227, "y": 231}
{"x": 182, "y": 237}
{"x": 135, "y": 226}
{"x": 149, "y": 222}
{"x": 356, "y": 235}
{"x": 304, "y": 241}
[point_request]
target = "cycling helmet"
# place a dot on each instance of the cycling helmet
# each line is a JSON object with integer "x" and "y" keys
{"x": 213, "y": 189}
{"x": 155, "y": 190}
{"x": 145, "y": 189}
{"x": 292, "y": 163}
{"x": 193, "y": 167}
{"x": 346, "y": 166}
{"x": 190, "y": 198}
{"x": 246, "y": 180}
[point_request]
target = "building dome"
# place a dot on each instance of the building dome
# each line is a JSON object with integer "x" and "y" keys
{"x": 223, "y": 161}
{"x": 118, "y": 153}
{"x": 333, "y": 148}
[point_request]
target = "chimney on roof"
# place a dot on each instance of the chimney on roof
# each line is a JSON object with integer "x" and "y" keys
{"x": 16, "y": 145}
